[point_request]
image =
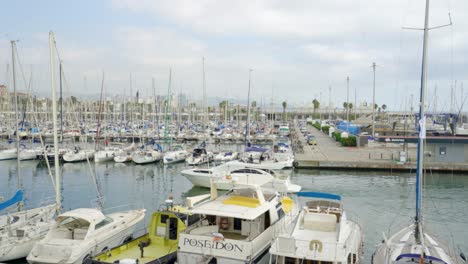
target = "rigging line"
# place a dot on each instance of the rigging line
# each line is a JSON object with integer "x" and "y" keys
{"x": 442, "y": 218}
{"x": 451, "y": 49}
{"x": 74, "y": 113}
{"x": 400, "y": 212}
{"x": 18, "y": 61}
{"x": 400, "y": 47}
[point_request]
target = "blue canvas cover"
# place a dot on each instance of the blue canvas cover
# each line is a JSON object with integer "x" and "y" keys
{"x": 319, "y": 195}
{"x": 18, "y": 197}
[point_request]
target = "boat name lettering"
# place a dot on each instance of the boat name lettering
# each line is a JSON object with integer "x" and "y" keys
{"x": 394, "y": 140}
{"x": 213, "y": 244}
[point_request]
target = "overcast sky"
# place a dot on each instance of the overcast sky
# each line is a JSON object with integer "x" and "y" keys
{"x": 297, "y": 49}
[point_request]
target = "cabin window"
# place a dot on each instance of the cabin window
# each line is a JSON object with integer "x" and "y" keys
{"x": 163, "y": 219}
{"x": 173, "y": 228}
{"x": 280, "y": 213}
{"x": 211, "y": 219}
{"x": 443, "y": 150}
{"x": 352, "y": 258}
{"x": 192, "y": 219}
{"x": 237, "y": 224}
{"x": 267, "y": 220}
{"x": 104, "y": 222}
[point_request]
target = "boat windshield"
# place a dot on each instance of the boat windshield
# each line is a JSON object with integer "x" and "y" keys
{"x": 73, "y": 223}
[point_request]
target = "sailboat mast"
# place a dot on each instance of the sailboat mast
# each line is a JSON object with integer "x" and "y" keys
{"x": 54, "y": 118}
{"x": 247, "y": 122}
{"x": 204, "y": 97}
{"x": 154, "y": 99}
{"x": 61, "y": 102}
{"x": 422, "y": 122}
{"x": 166, "y": 115}
{"x": 18, "y": 167}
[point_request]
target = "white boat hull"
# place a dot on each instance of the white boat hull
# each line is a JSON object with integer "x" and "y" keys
{"x": 199, "y": 160}
{"x": 104, "y": 156}
{"x": 82, "y": 155}
{"x": 56, "y": 250}
{"x": 28, "y": 154}
{"x": 146, "y": 157}
{"x": 8, "y": 154}
{"x": 34, "y": 229}
{"x": 122, "y": 158}
{"x": 175, "y": 156}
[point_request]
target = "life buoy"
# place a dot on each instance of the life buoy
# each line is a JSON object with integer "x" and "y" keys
{"x": 228, "y": 177}
{"x": 316, "y": 245}
{"x": 224, "y": 223}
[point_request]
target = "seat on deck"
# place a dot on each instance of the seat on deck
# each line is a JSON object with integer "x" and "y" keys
{"x": 319, "y": 222}
{"x": 80, "y": 233}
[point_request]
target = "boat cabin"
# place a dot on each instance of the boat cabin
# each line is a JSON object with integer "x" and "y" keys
{"x": 77, "y": 224}
{"x": 239, "y": 222}
{"x": 198, "y": 152}
{"x": 159, "y": 245}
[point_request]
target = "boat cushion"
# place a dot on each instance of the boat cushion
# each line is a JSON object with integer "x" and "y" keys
{"x": 320, "y": 222}
{"x": 80, "y": 233}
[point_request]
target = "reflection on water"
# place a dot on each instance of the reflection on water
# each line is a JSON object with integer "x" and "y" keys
{"x": 383, "y": 201}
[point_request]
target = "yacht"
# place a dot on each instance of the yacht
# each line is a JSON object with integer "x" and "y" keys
{"x": 82, "y": 233}
{"x": 322, "y": 232}
{"x": 78, "y": 154}
{"x": 199, "y": 156}
{"x": 236, "y": 227}
{"x": 159, "y": 245}
{"x": 262, "y": 158}
{"x": 107, "y": 154}
{"x": 179, "y": 154}
{"x": 146, "y": 156}
{"x": 20, "y": 231}
{"x": 123, "y": 157}
{"x": 227, "y": 176}
{"x": 226, "y": 156}
{"x": 28, "y": 154}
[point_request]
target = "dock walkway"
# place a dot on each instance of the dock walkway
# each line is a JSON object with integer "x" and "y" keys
{"x": 329, "y": 154}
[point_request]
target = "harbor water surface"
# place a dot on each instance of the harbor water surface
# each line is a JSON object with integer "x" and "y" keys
{"x": 383, "y": 201}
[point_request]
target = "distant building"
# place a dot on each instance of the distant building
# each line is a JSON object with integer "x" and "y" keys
{"x": 3, "y": 90}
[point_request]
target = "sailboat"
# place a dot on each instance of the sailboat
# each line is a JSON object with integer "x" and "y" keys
{"x": 414, "y": 244}
{"x": 19, "y": 231}
{"x": 84, "y": 232}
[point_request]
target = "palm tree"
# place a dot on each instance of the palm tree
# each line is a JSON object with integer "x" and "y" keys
{"x": 253, "y": 105}
{"x": 284, "y": 104}
{"x": 316, "y": 104}
{"x": 222, "y": 107}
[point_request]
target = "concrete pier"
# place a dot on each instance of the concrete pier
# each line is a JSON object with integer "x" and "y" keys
{"x": 329, "y": 154}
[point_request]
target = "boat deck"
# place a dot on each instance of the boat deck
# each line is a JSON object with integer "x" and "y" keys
{"x": 155, "y": 250}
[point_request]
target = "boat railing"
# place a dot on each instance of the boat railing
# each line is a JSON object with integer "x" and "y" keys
{"x": 124, "y": 207}
{"x": 310, "y": 249}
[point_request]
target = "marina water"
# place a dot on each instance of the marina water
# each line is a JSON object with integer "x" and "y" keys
{"x": 381, "y": 200}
